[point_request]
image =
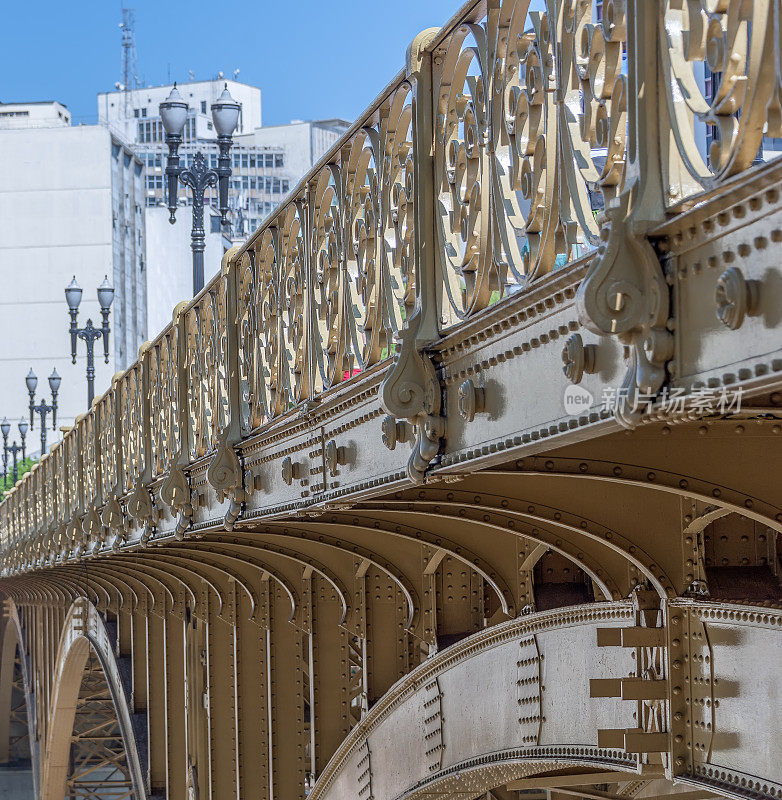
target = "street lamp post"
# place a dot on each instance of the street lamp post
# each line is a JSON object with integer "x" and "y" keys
{"x": 14, "y": 448}
{"x": 42, "y": 409}
{"x": 225, "y": 115}
{"x": 5, "y": 428}
{"x": 89, "y": 332}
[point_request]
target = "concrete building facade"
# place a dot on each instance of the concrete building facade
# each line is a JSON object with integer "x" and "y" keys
{"x": 45, "y": 114}
{"x": 71, "y": 203}
{"x": 301, "y": 143}
{"x": 133, "y": 112}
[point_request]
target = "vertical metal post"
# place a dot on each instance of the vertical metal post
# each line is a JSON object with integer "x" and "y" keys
{"x": 90, "y": 370}
{"x": 198, "y": 238}
{"x": 5, "y": 459}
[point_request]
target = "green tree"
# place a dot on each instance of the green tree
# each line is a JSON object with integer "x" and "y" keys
{"x": 22, "y": 468}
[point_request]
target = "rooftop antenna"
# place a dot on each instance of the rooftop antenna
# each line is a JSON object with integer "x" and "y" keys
{"x": 236, "y": 73}
{"x": 129, "y": 65}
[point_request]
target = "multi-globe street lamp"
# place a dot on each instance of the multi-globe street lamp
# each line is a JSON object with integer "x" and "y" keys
{"x": 14, "y": 448}
{"x": 225, "y": 115}
{"x": 89, "y": 332}
{"x": 42, "y": 409}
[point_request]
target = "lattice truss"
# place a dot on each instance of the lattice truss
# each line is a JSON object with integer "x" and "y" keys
{"x": 98, "y": 765}
{"x": 18, "y": 731}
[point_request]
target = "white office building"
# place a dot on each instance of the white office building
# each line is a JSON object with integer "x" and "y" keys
{"x": 45, "y": 114}
{"x": 135, "y": 114}
{"x": 71, "y": 203}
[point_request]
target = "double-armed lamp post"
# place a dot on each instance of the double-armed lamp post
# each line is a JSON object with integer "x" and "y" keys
{"x": 14, "y": 448}
{"x": 225, "y": 115}
{"x": 89, "y": 332}
{"x": 42, "y": 409}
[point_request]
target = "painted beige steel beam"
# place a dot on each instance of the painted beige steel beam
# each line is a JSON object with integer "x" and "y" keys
{"x": 569, "y": 779}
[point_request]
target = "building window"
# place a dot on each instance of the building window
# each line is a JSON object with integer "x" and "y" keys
{"x": 143, "y": 112}
{"x": 269, "y": 160}
{"x": 285, "y": 186}
{"x": 237, "y": 160}
{"x": 711, "y": 83}
{"x": 252, "y": 162}
{"x": 278, "y": 160}
{"x": 244, "y": 160}
{"x": 203, "y": 106}
{"x": 135, "y": 112}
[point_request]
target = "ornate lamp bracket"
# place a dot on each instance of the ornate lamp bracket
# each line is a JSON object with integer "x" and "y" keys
{"x": 411, "y": 391}
{"x": 625, "y": 294}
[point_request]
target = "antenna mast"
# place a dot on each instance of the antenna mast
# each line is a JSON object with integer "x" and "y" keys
{"x": 129, "y": 65}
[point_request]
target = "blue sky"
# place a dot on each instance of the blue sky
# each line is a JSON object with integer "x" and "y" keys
{"x": 311, "y": 59}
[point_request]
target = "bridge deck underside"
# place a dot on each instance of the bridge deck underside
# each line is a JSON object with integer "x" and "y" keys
{"x": 437, "y": 610}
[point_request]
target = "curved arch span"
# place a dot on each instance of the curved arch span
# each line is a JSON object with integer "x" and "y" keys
{"x": 84, "y": 633}
{"x": 13, "y": 648}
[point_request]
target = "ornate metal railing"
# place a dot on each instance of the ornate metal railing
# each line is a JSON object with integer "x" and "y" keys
{"x": 513, "y": 144}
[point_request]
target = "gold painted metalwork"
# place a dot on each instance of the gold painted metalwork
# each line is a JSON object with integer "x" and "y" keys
{"x": 340, "y": 529}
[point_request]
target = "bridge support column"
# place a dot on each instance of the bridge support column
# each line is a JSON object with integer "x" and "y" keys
{"x": 287, "y": 692}
{"x": 330, "y": 666}
{"x": 157, "y": 705}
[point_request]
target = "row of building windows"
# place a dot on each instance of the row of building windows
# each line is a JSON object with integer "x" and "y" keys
{"x": 268, "y": 185}
{"x": 239, "y": 161}
{"x": 258, "y": 211}
{"x": 152, "y": 130}
{"x": 254, "y": 161}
